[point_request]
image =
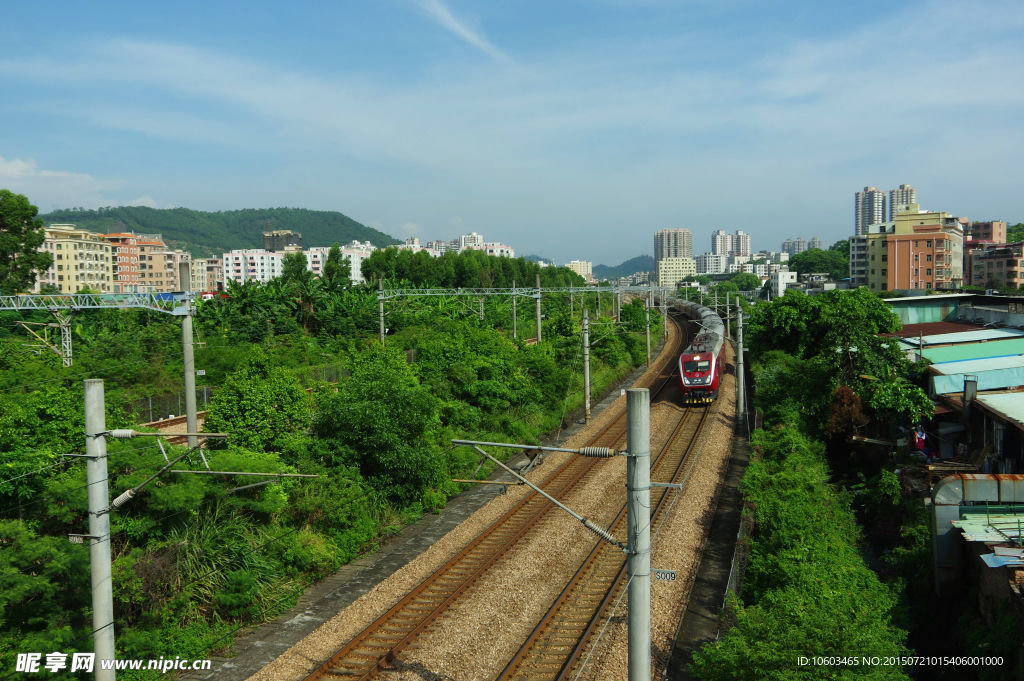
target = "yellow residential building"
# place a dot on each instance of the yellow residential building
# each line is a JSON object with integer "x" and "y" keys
{"x": 671, "y": 271}
{"x": 81, "y": 259}
{"x": 918, "y": 250}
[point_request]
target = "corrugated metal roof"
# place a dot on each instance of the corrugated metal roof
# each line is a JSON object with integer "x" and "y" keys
{"x": 1009, "y": 406}
{"x": 967, "y": 337}
{"x": 993, "y": 373}
{"x": 928, "y": 299}
{"x": 965, "y": 351}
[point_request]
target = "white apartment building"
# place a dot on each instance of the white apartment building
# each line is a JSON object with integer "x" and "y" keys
{"x": 241, "y": 265}
{"x": 869, "y": 208}
{"x": 711, "y": 263}
{"x": 740, "y": 243}
{"x": 671, "y": 271}
{"x": 721, "y": 242}
{"x": 779, "y": 281}
{"x": 673, "y": 243}
{"x": 471, "y": 239}
{"x": 493, "y": 248}
{"x": 584, "y": 268}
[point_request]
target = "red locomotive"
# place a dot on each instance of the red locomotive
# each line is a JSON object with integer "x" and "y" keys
{"x": 700, "y": 365}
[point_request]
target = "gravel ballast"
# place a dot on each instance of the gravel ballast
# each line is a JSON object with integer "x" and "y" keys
{"x": 485, "y": 627}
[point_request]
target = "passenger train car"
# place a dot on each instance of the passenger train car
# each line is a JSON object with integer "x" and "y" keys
{"x": 703, "y": 361}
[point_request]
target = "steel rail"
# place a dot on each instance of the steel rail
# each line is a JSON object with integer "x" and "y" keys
{"x": 551, "y": 651}
{"x": 372, "y": 649}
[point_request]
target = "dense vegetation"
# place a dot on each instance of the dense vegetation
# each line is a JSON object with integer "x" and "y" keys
{"x": 641, "y": 263}
{"x": 822, "y": 373}
{"x": 211, "y": 234}
{"x": 195, "y": 558}
{"x": 835, "y": 261}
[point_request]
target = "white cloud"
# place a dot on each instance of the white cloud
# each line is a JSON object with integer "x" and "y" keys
{"x": 148, "y": 202}
{"x": 49, "y": 188}
{"x": 440, "y": 13}
{"x": 408, "y": 229}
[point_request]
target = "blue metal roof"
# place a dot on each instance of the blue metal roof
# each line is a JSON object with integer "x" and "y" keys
{"x": 994, "y": 373}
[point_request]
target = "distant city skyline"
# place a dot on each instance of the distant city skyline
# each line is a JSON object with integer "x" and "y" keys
{"x": 567, "y": 129}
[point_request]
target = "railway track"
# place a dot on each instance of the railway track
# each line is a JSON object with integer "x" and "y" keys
{"x": 374, "y": 648}
{"x": 556, "y": 646}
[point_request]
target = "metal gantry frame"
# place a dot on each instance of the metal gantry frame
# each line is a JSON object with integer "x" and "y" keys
{"x": 387, "y": 294}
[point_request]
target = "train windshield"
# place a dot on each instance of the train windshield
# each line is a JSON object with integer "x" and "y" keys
{"x": 699, "y": 365}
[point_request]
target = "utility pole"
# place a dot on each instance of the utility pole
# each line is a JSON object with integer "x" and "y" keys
{"x": 597, "y": 315}
{"x": 380, "y": 299}
{"x": 647, "y": 318}
{"x": 618, "y": 299}
{"x": 99, "y": 526}
{"x": 538, "y": 308}
{"x": 739, "y": 359}
{"x": 187, "y": 348}
{"x": 514, "y": 296}
{"x": 481, "y": 310}
{"x": 638, "y": 524}
{"x": 586, "y": 365}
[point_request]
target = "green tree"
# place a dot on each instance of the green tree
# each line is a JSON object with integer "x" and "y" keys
{"x": 842, "y": 246}
{"x": 835, "y": 263}
{"x": 21, "y": 235}
{"x": 259, "y": 404}
{"x": 380, "y": 420}
{"x": 294, "y": 268}
{"x": 745, "y": 281}
{"x": 699, "y": 278}
{"x": 337, "y": 270}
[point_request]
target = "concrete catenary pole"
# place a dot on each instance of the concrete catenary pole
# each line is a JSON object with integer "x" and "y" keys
{"x": 538, "y": 308}
{"x": 728, "y": 333}
{"x": 618, "y": 299}
{"x": 586, "y": 365}
{"x": 99, "y": 527}
{"x": 647, "y": 320}
{"x": 380, "y": 299}
{"x": 664, "y": 312}
{"x": 638, "y": 524}
{"x": 739, "y": 359}
{"x": 515, "y": 330}
{"x": 188, "y": 355}
{"x": 597, "y": 315}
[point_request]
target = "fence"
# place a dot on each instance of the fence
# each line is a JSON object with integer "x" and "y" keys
{"x": 169, "y": 405}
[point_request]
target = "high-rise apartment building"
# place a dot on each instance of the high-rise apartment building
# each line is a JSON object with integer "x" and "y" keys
{"x": 673, "y": 243}
{"x": 815, "y": 242}
{"x": 740, "y": 243}
{"x": 869, "y": 209}
{"x": 721, "y": 242}
{"x": 794, "y": 246}
{"x": 904, "y": 196}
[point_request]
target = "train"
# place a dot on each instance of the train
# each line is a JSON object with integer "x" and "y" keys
{"x": 703, "y": 361}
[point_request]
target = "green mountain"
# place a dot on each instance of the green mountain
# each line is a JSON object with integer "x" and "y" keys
{"x": 641, "y": 263}
{"x": 211, "y": 234}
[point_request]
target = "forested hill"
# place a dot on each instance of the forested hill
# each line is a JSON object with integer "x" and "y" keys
{"x": 641, "y": 263}
{"x": 207, "y": 234}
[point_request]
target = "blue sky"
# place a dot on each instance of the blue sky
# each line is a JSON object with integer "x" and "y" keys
{"x": 568, "y": 128}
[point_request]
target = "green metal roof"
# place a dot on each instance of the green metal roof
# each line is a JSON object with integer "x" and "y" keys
{"x": 964, "y": 351}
